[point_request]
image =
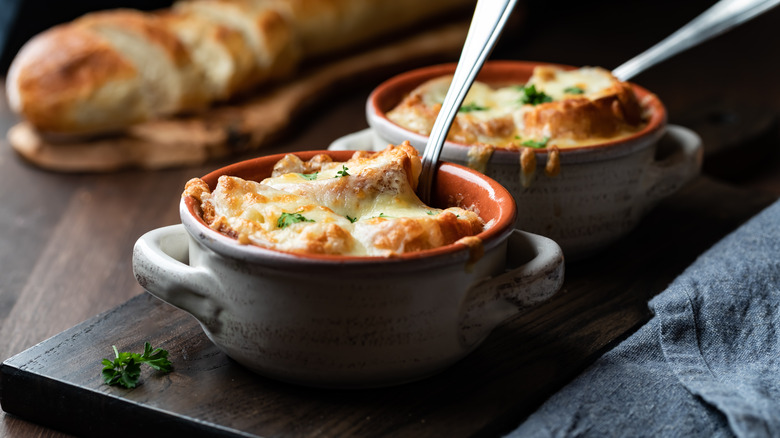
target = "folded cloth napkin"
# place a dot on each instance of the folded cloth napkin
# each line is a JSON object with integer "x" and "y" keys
{"x": 707, "y": 364}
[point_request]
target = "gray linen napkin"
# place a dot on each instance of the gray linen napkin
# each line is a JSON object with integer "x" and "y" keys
{"x": 707, "y": 363}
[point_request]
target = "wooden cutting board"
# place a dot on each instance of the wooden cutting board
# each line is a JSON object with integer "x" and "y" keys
{"x": 57, "y": 383}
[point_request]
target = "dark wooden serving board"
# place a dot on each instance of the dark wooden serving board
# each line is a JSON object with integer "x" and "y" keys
{"x": 57, "y": 382}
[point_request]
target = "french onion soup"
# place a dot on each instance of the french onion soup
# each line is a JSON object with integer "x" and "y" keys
{"x": 555, "y": 107}
{"x": 365, "y": 206}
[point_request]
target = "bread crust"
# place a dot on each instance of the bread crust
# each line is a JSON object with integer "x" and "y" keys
{"x": 173, "y": 84}
{"x": 238, "y": 126}
{"x": 221, "y": 54}
{"x": 265, "y": 31}
{"x": 109, "y": 70}
{"x": 63, "y": 71}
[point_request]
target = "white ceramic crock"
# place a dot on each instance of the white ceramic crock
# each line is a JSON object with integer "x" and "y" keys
{"x": 356, "y": 322}
{"x": 602, "y": 190}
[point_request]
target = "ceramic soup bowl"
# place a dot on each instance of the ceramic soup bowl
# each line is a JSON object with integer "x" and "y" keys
{"x": 602, "y": 190}
{"x": 339, "y": 321}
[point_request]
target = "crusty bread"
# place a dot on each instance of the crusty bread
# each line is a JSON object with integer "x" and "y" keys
{"x": 169, "y": 79}
{"x": 234, "y": 127}
{"x": 324, "y": 26}
{"x": 63, "y": 79}
{"x": 108, "y": 70}
{"x": 221, "y": 52}
{"x": 266, "y": 32}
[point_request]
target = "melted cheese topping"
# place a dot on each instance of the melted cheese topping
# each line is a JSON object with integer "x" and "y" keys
{"x": 365, "y": 206}
{"x": 582, "y": 107}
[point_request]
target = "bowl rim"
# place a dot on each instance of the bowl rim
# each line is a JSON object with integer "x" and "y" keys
{"x": 406, "y": 81}
{"x": 227, "y": 246}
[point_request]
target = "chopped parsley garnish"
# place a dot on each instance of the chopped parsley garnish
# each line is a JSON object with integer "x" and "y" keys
{"x": 382, "y": 215}
{"x": 471, "y": 107}
{"x": 537, "y": 144}
{"x": 532, "y": 96}
{"x": 352, "y": 219}
{"x": 309, "y": 176}
{"x": 125, "y": 369}
{"x": 287, "y": 219}
{"x": 342, "y": 172}
{"x": 431, "y": 213}
{"x": 573, "y": 90}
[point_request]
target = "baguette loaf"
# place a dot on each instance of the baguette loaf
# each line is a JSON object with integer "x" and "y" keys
{"x": 111, "y": 69}
{"x": 240, "y": 126}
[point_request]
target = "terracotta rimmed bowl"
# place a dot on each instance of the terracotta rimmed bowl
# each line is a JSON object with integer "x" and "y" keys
{"x": 602, "y": 190}
{"x": 339, "y": 321}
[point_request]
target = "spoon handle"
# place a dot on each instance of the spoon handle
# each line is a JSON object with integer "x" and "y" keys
{"x": 719, "y": 18}
{"x": 488, "y": 21}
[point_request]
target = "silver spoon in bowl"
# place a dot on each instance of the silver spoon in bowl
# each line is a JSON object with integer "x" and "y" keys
{"x": 488, "y": 21}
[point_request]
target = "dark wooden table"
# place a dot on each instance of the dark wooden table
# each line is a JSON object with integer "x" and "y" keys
{"x": 66, "y": 239}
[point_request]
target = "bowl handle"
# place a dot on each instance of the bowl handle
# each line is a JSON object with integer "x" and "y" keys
{"x": 680, "y": 166}
{"x": 534, "y": 274}
{"x": 160, "y": 265}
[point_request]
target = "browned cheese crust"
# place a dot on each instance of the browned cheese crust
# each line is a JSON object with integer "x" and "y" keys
{"x": 335, "y": 214}
{"x": 579, "y": 118}
{"x": 510, "y": 115}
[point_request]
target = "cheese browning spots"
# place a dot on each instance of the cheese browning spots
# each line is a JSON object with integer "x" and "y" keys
{"x": 556, "y": 107}
{"x": 365, "y": 206}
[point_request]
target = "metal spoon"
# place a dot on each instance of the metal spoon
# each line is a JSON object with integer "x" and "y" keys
{"x": 719, "y": 18}
{"x": 488, "y": 21}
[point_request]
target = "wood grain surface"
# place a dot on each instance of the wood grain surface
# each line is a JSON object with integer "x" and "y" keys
{"x": 66, "y": 239}
{"x": 57, "y": 383}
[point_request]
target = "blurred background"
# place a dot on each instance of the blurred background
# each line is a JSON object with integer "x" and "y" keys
{"x": 708, "y": 93}
{"x": 21, "y": 19}
{"x": 619, "y": 26}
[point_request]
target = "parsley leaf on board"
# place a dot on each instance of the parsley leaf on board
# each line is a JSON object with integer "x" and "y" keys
{"x": 532, "y": 96}
{"x": 287, "y": 219}
{"x": 342, "y": 172}
{"x": 125, "y": 369}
